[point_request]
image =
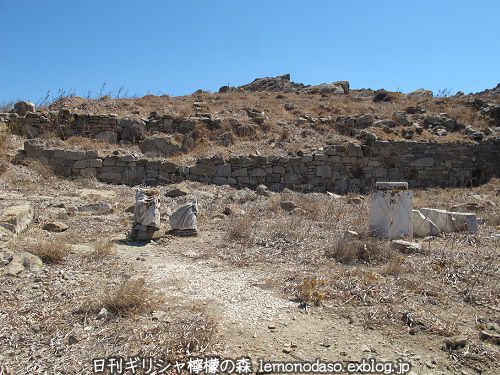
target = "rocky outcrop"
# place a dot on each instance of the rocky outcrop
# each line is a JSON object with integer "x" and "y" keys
{"x": 284, "y": 84}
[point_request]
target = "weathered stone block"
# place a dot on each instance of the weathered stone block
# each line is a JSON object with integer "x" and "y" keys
{"x": 424, "y": 162}
{"x": 242, "y": 172}
{"x": 258, "y": 172}
{"x": 95, "y": 163}
{"x": 324, "y": 171}
{"x": 79, "y": 164}
{"x": 224, "y": 170}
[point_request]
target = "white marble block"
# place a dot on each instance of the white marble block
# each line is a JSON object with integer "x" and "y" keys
{"x": 391, "y": 210}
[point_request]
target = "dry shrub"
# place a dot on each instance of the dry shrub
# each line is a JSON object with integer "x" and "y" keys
{"x": 38, "y": 167}
{"x": 350, "y": 251}
{"x": 194, "y": 335}
{"x": 85, "y": 143}
{"x": 131, "y": 296}
{"x": 102, "y": 249}
{"x": 394, "y": 266}
{"x": 311, "y": 291}
{"x": 54, "y": 251}
{"x": 241, "y": 228}
{"x": 375, "y": 317}
{"x": 291, "y": 229}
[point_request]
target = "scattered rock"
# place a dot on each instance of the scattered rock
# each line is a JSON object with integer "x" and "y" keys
{"x": 288, "y": 205}
{"x": 364, "y": 121}
{"x": 72, "y": 340}
{"x": 55, "y": 226}
{"x": 355, "y": 200}
{"x": 367, "y": 137}
{"x": 263, "y": 190}
{"x": 350, "y": 234}
{"x": 384, "y": 96}
{"x": 441, "y": 122}
{"x": 177, "y": 191}
{"x": 406, "y": 247}
{"x": 17, "y": 218}
{"x": 407, "y": 133}
{"x": 490, "y": 336}
{"x": 454, "y": 344}
{"x": 103, "y": 314}
{"x": 22, "y": 261}
{"x": 420, "y": 94}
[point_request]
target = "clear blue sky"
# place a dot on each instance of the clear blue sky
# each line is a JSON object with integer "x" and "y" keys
{"x": 177, "y": 47}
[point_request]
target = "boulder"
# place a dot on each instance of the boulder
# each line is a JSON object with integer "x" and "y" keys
{"x": 384, "y": 96}
{"x": 288, "y": 206}
{"x": 177, "y": 191}
{"x": 160, "y": 146}
{"x": 263, "y": 190}
{"x": 20, "y": 262}
{"x": 22, "y": 108}
{"x": 420, "y": 94}
{"x": 55, "y": 226}
{"x": 186, "y": 126}
{"x": 364, "y": 121}
{"x": 17, "y": 218}
{"x": 495, "y": 115}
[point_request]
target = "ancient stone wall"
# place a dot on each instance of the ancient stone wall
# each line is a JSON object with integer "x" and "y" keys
{"x": 337, "y": 168}
{"x": 107, "y": 127}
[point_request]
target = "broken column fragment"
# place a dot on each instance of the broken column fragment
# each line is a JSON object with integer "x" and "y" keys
{"x": 423, "y": 226}
{"x": 391, "y": 210}
{"x": 146, "y": 215}
{"x": 448, "y": 222}
{"x": 184, "y": 221}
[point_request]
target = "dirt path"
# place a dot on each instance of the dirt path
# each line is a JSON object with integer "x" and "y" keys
{"x": 246, "y": 312}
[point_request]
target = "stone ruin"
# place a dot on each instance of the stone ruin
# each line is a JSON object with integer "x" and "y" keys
{"x": 146, "y": 215}
{"x": 146, "y": 224}
{"x": 392, "y": 215}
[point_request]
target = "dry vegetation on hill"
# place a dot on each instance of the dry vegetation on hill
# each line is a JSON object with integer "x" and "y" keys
{"x": 284, "y": 122}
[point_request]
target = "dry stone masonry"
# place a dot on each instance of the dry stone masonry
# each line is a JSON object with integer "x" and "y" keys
{"x": 336, "y": 168}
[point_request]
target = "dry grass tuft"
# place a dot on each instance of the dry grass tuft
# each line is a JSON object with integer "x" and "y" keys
{"x": 130, "y": 297}
{"x": 54, "y": 251}
{"x": 241, "y": 228}
{"x": 102, "y": 249}
{"x": 350, "y": 251}
{"x": 311, "y": 291}
{"x": 194, "y": 335}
